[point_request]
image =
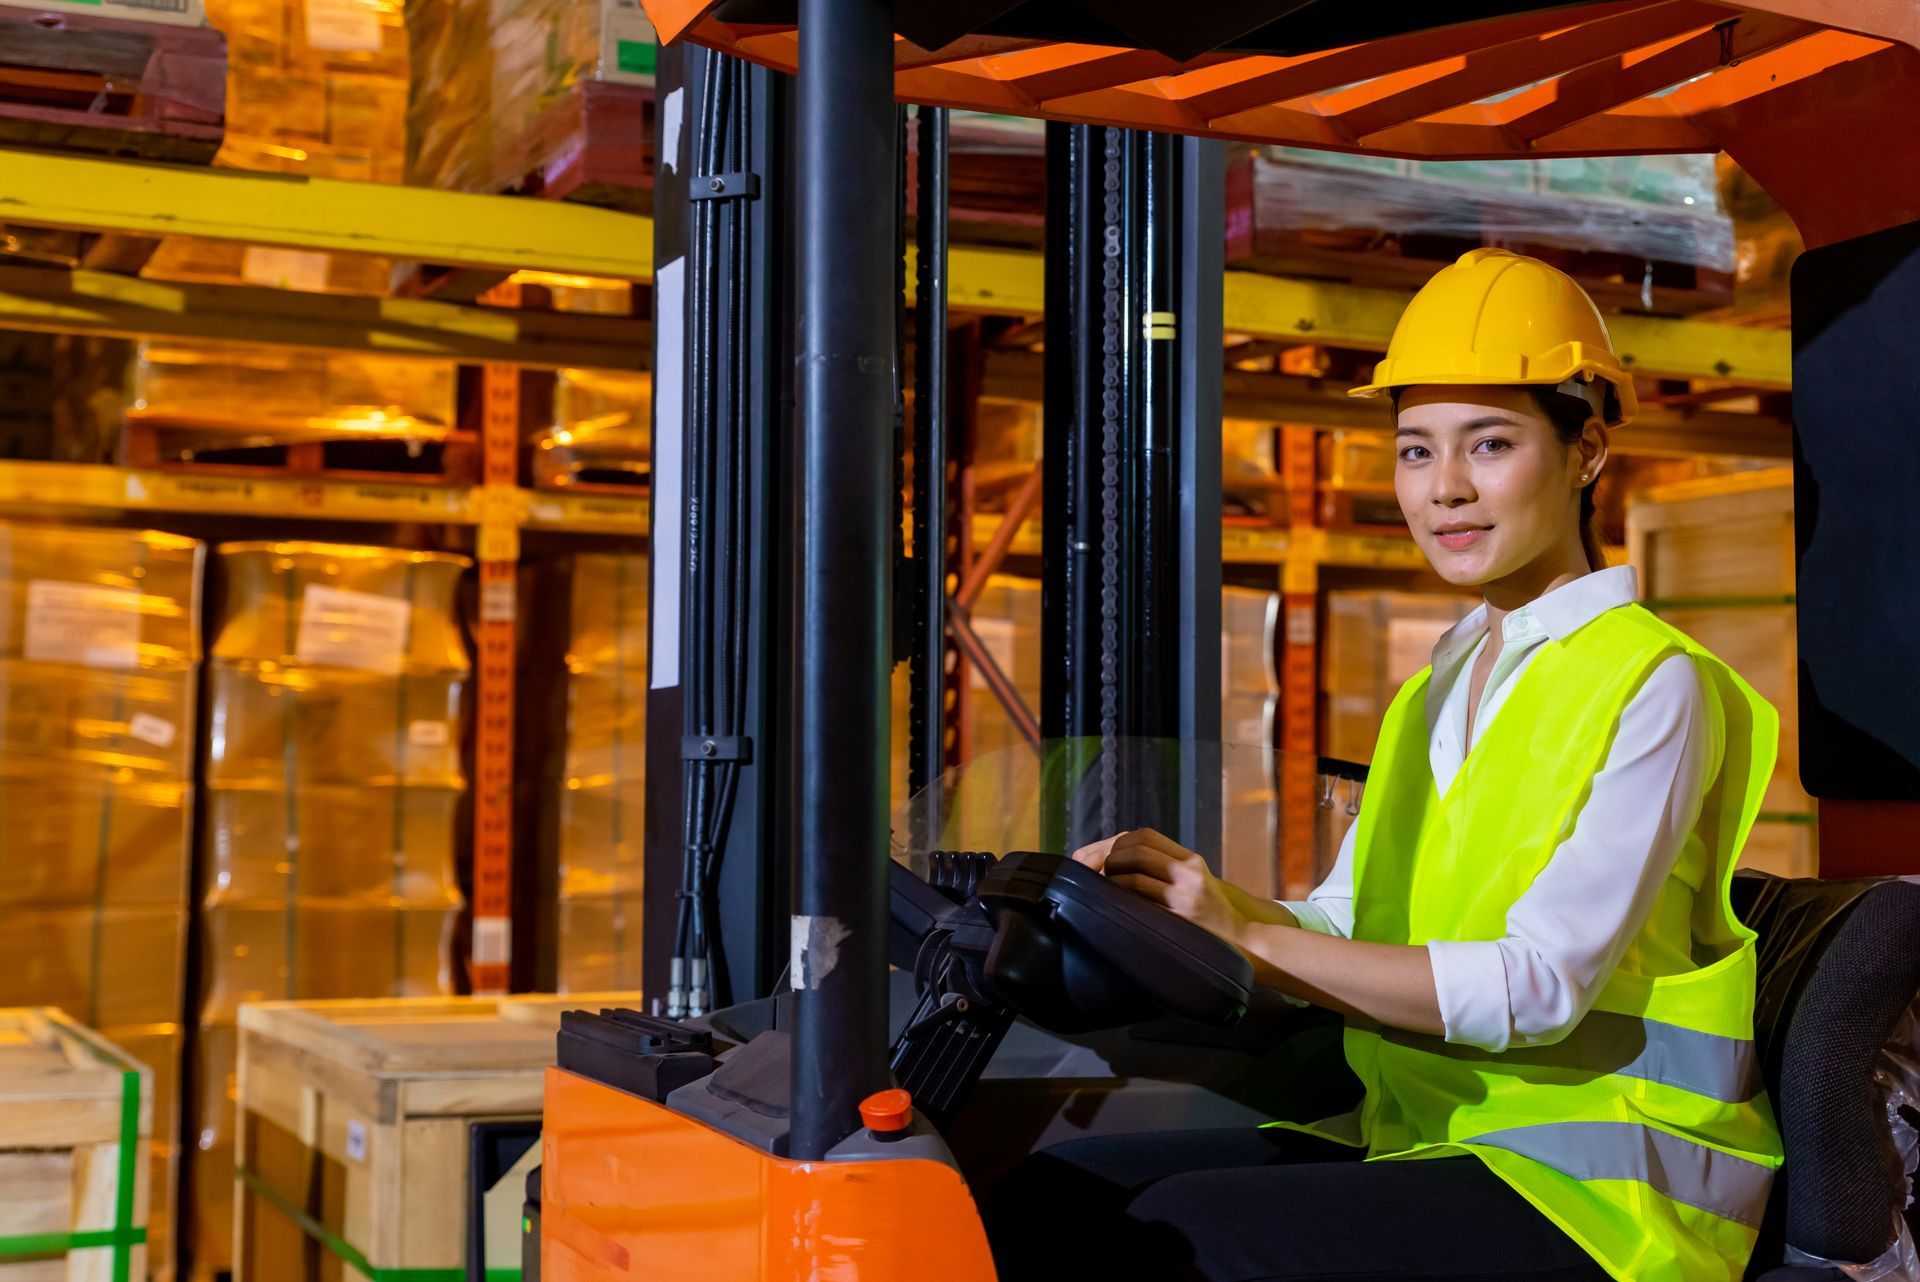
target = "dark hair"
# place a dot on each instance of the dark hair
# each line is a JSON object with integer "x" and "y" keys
{"x": 1569, "y": 416}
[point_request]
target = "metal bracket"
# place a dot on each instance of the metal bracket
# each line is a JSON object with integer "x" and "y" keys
{"x": 724, "y": 187}
{"x": 695, "y": 747}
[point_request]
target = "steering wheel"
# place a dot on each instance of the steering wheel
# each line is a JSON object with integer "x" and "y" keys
{"x": 1074, "y": 953}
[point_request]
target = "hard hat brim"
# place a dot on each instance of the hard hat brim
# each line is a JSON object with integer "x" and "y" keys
{"x": 1386, "y": 380}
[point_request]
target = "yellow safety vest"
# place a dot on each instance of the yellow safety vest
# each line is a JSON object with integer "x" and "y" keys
{"x": 1645, "y": 1134}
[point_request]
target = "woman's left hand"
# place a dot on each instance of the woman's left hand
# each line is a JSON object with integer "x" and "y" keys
{"x": 1172, "y": 876}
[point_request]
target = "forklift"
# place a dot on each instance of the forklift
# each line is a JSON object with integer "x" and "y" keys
{"x": 853, "y": 1046}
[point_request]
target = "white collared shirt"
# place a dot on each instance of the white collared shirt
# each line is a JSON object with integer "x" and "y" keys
{"x": 1570, "y": 928}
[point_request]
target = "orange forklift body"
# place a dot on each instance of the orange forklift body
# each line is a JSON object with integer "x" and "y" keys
{"x": 644, "y": 1192}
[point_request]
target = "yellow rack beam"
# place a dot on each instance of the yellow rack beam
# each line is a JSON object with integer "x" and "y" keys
{"x": 419, "y": 224}
{"x": 90, "y": 302}
{"x": 414, "y": 224}
{"x": 1279, "y": 307}
{"x": 1249, "y": 545}
{"x": 99, "y": 488}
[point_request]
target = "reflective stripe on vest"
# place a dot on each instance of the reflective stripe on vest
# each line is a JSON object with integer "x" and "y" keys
{"x": 1700, "y": 1175}
{"x": 1722, "y": 1068}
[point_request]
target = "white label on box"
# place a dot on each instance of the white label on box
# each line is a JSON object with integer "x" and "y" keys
{"x": 427, "y": 734}
{"x": 148, "y": 728}
{"x": 347, "y": 629}
{"x": 299, "y": 269}
{"x": 498, "y": 601}
{"x": 344, "y": 26}
{"x": 86, "y": 623}
{"x": 492, "y": 941}
{"x": 356, "y": 1141}
{"x": 1300, "y": 625}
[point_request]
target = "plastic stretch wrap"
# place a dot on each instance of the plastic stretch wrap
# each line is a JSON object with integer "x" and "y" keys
{"x": 109, "y": 965}
{"x": 312, "y": 603}
{"x": 601, "y": 417}
{"x": 315, "y": 86}
{"x": 99, "y": 658}
{"x": 603, "y": 805}
{"x": 113, "y": 599}
{"x": 1663, "y": 208}
{"x": 136, "y": 724}
{"x": 290, "y": 393}
{"x": 339, "y": 726}
{"x": 486, "y": 72}
{"x": 333, "y": 764}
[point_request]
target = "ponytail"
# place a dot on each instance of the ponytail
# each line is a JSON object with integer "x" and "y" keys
{"x": 1570, "y": 416}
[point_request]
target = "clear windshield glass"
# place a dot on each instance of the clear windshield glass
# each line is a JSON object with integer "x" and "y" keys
{"x": 1222, "y": 800}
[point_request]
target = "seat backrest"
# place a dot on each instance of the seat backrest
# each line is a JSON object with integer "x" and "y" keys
{"x": 1839, "y": 966}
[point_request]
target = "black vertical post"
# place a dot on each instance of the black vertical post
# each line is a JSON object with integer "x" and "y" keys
{"x": 1131, "y": 548}
{"x": 846, "y": 144}
{"x": 1069, "y": 595}
{"x": 1200, "y": 248}
{"x": 927, "y": 710}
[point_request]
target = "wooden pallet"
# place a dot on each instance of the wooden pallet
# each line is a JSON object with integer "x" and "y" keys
{"x": 356, "y": 1129}
{"x": 558, "y": 467}
{"x": 74, "y": 82}
{"x": 75, "y": 1114}
{"x": 178, "y": 445}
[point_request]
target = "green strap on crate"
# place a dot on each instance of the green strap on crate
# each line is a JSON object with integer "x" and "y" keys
{"x": 125, "y": 1234}
{"x": 345, "y": 1252}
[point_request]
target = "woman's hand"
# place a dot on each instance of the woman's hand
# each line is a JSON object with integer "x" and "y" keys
{"x": 1172, "y": 876}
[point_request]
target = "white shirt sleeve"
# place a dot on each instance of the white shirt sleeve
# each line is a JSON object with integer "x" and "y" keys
{"x": 1328, "y": 908}
{"x": 1568, "y": 931}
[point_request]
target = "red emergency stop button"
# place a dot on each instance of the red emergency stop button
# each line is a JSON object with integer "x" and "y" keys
{"x": 887, "y": 1112}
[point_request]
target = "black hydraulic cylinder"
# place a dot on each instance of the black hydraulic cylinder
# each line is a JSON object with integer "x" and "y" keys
{"x": 844, "y": 376}
{"x": 927, "y": 718}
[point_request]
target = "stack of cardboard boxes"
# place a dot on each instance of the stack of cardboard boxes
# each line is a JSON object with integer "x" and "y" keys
{"x": 603, "y": 798}
{"x": 99, "y": 659}
{"x": 334, "y": 783}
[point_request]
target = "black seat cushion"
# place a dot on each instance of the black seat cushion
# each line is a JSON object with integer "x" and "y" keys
{"x": 1839, "y": 966}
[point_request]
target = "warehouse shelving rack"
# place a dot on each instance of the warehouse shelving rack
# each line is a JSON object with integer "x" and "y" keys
{"x": 485, "y": 239}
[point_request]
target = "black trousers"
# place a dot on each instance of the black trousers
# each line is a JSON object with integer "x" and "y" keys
{"x": 1253, "y": 1205}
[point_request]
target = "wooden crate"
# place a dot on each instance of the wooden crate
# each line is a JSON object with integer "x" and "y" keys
{"x": 1716, "y": 560}
{"x": 75, "y": 1114}
{"x": 356, "y": 1127}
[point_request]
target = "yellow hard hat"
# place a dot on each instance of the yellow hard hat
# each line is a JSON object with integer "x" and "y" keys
{"x": 1499, "y": 317}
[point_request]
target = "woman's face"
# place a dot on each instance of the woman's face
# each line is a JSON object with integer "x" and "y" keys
{"x": 1486, "y": 485}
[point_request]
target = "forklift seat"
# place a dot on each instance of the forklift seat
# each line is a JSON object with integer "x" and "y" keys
{"x": 1839, "y": 969}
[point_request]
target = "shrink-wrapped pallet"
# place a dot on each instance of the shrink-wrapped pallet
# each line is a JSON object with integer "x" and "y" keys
{"x": 334, "y": 785}
{"x": 506, "y": 90}
{"x": 246, "y": 395}
{"x": 99, "y": 658}
{"x": 603, "y": 797}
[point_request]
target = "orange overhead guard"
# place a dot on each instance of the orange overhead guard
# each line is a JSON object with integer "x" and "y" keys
{"x": 1800, "y": 92}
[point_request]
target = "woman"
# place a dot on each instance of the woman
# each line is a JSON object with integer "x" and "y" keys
{"x": 1548, "y": 999}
